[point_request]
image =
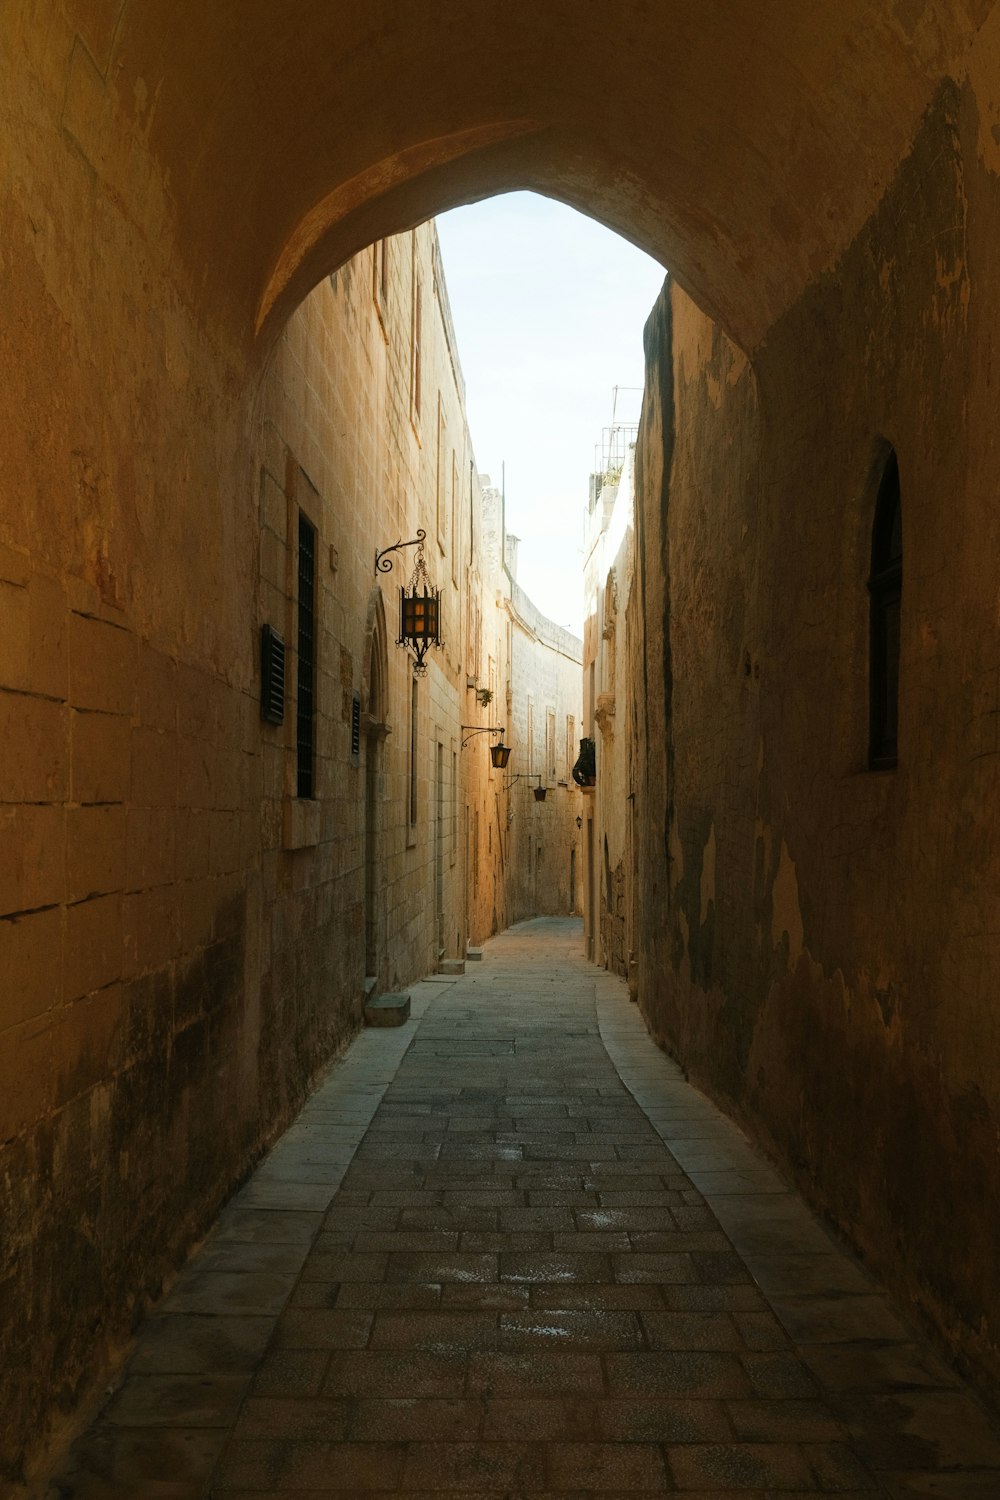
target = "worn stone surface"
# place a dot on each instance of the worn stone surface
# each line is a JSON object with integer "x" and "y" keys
{"x": 815, "y": 940}
{"x": 501, "y": 1292}
{"x": 391, "y": 1009}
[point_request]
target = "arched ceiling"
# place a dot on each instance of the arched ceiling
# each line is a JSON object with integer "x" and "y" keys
{"x": 743, "y": 144}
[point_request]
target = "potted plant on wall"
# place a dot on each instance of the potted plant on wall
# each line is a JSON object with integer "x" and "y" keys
{"x": 485, "y": 696}
{"x": 585, "y": 770}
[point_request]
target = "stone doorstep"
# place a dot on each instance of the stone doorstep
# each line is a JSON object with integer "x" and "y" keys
{"x": 451, "y": 966}
{"x": 387, "y": 1010}
{"x": 473, "y": 955}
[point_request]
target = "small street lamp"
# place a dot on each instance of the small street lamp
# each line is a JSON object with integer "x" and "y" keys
{"x": 499, "y": 753}
{"x": 539, "y": 792}
{"x": 419, "y": 611}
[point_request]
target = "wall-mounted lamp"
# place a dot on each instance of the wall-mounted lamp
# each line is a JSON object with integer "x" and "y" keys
{"x": 499, "y": 753}
{"x": 419, "y": 611}
{"x": 539, "y": 792}
{"x": 579, "y": 822}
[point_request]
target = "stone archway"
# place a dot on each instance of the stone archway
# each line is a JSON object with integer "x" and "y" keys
{"x": 256, "y": 148}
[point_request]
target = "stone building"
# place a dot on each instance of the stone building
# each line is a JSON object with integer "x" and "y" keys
{"x": 206, "y": 873}
{"x": 533, "y": 680}
{"x": 544, "y": 705}
{"x": 814, "y": 911}
{"x": 487, "y": 887}
{"x": 609, "y": 706}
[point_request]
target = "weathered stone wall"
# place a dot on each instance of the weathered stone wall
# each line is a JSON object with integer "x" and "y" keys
{"x": 544, "y": 704}
{"x": 613, "y": 619}
{"x": 819, "y": 941}
{"x": 486, "y": 834}
{"x": 182, "y": 938}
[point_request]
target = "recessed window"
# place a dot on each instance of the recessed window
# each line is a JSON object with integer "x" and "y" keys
{"x": 885, "y": 587}
{"x": 305, "y": 716}
{"x": 416, "y": 335}
{"x": 355, "y": 727}
{"x": 413, "y": 753}
{"x": 272, "y": 676}
{"x": 441, "y": 496}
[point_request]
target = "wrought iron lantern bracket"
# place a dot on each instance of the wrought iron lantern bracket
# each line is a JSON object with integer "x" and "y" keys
{"x": 419, "y": 603}
{"x": 474, "y": 729}
{"x": 383, "y": 562}
{"x": 499, "y": 753}
{"x": 539, "y": 792}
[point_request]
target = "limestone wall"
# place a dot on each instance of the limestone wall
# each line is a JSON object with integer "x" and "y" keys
{"x": 611, "y": 809}
{"x": 184, "y": 940}
{"x": 544, "y": 708}
{"x": 819, "y": 941}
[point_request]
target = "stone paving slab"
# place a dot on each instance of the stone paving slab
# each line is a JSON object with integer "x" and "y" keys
{"x": 508, "y": 1250}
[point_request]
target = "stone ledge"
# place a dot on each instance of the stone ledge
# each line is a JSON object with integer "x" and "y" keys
{"x": 387, "y": 1010}
{"x": 300, "y": 823}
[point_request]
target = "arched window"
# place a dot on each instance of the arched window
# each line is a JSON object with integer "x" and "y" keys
{"x": 885, "y": 588}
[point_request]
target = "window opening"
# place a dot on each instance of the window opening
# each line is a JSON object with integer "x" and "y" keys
{"x": 885, "y": 589}
{"x": 415, "y": 339}
{"x": 413, "y": 752}
{"x": 272, "y": 676}
{"x": 305, "y": 728}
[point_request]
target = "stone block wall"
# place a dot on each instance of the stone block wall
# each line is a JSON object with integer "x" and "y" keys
{"x": 182, "y": 938}
{"x": 544, "y": 706}
{"x": 614, "y": 622}
{"x": 818, "y": 942}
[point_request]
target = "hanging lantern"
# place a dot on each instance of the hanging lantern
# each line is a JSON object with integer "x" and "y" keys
{"x": 419, "y": 614}
{"x": 499, "y": 753}
{"x": 539, "y": 793}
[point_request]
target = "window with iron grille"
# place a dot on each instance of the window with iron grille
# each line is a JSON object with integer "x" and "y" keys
{"x": 305, "y": 728}
{"x": 885, "y": 587}
{"x": 413, "y": 752}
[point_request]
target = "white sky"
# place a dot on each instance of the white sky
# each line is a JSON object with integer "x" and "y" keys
{"x": 549, "y": 308}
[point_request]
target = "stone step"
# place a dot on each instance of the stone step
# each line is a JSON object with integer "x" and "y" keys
{"x": 473, "y": 955}
{"x": 387, "y": 1010}
{"x": 451, "y": 966}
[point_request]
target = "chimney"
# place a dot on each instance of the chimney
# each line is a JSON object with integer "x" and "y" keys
{"x": 510, "y": 546}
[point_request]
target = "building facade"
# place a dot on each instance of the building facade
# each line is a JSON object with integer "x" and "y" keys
{"x": 610, "y": 705}
{"x": 544, "y": 705}
{"x": 207, "y": 870}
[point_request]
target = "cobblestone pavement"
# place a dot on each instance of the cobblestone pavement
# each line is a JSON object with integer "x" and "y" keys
{"x": 525, "y": 1258}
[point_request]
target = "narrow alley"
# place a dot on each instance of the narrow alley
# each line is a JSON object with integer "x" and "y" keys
{"x": 507, "y": 1249}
